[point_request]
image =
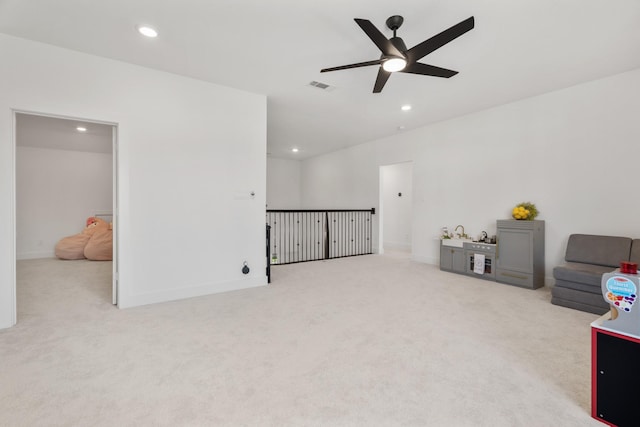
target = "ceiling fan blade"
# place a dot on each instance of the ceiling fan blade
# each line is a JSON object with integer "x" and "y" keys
{"x": 381, "y": 80}
{"x": 439, "y": 40}
{"x": 385, "y": 46}
{"x": 428, "y": 70}
{"x": 346, "y": 67}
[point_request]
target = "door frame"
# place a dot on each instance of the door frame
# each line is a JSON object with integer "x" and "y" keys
{"x": 115, "y": 192}
{"x": 381, "y": 182}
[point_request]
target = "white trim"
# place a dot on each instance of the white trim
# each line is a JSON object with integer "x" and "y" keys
{"x": 191, "y": 292}
{"x": 115, "y": 276}
{"x": 57, "y": 116}
{"x": 14, "y": 126}
{"x": 34, "y": 255}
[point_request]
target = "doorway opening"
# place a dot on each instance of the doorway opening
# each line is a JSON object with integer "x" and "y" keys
{"x": 396, "y": 209}
{"x": 65, "y": 173}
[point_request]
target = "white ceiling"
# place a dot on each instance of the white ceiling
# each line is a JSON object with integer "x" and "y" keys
{"x": 517, "y": 49}
{"x": 62, "y": 134}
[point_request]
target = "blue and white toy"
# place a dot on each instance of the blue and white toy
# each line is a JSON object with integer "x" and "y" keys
{"x": 620, "y": 290}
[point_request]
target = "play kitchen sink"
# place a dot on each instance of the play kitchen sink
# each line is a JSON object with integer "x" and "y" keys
{"x": 455, "y": 239}
{"x": 454, "y": 243}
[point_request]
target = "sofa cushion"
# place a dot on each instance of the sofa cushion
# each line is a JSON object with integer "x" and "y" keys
{"x": 635, "y": 251}
{"x": 578, "y": 286}
{"x": 579, "y": 297}
{"x": 578, "y": 306}
{"x": 599, "y": 250}
{"x": 587, "y": 274}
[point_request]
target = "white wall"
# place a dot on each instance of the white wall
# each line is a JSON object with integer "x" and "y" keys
{"x": 349, "y": 179}
{"x": 190, "y": 153}
{"x": 56, "y": 191}
{"x": 283, "y": 183}
{"x": 396, "y": 211}
{"x": 574, "y": 153}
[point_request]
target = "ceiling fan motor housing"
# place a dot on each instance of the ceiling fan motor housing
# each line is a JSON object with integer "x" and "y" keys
{"x": 394, "y": 22}
{"x": 398, "y": 43}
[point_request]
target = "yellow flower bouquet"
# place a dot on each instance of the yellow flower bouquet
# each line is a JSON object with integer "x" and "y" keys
{"x": 524, "y": 211}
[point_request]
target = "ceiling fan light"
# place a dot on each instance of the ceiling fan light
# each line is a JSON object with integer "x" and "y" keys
{"x": 394, "y": 64}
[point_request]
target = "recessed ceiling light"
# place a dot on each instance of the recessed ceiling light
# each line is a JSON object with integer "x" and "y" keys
{"x": 406, "y": 107}
{"x": 147, "y": 31}
{"x": 295, "y": 150}
{"x": 81, "y": 129}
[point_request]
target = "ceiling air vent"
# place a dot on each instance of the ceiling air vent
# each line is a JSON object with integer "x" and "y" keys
{"x": 319, "y": 85}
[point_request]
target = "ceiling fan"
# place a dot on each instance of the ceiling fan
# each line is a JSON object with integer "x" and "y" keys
{"x": 395, "y": 55}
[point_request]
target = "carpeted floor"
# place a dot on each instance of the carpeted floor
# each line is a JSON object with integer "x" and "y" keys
{"x": 364, "y": 341}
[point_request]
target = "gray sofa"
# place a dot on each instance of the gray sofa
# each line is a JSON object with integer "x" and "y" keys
{"x": 588, "y": 257}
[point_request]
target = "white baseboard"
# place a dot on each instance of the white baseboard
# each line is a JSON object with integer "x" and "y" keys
{"x": 189, "y": 292}
{"x": 35, "y": 255}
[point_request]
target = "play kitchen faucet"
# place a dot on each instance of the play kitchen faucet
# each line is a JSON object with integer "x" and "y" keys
{"x": 455, "y": 230}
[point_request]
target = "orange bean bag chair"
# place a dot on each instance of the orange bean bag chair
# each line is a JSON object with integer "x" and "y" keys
{"x": 100, "y": 245}
{"x": 95, "y": 242}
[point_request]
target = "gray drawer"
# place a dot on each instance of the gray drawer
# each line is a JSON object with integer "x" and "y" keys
{"x": 523, "y": 280}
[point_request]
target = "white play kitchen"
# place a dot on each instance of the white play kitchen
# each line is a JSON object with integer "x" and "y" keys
{"x": 515, "y": 255}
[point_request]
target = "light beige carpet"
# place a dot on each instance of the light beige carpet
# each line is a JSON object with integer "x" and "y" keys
{"x": 363, "y": 341}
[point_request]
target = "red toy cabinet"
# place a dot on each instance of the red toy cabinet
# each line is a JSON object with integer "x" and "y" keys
{"x": 615, "y": 376}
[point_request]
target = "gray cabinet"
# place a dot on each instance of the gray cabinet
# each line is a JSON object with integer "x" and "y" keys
{"x": 452, "y": 259}
{"x": 520, "y": 253}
